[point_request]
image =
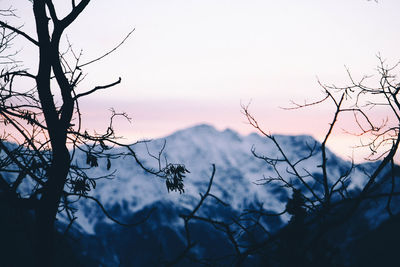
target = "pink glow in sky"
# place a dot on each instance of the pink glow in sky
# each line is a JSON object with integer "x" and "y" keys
{"x": 192, "y": 61}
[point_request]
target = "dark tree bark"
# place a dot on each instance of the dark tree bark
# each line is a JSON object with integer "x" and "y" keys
{"x": 46, "y": 140}
{"x": 57, "y": 126}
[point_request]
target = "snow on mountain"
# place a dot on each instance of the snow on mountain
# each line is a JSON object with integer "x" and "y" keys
{"x": 238, "y": 181}
{"x": 238, "y": 172}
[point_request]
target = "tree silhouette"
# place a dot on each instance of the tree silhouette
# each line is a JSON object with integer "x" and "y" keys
{"x": 42, "y": 135}
{"x": 321, "y": 200}
{"x": 41, "y": 127}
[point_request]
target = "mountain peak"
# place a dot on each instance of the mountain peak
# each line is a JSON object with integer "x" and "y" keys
{"x": 202, "y": 127}
{"x": 232, "y": 134}
{"x": 199, "y": 129}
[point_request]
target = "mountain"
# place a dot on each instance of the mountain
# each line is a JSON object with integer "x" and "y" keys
{"x": 132, "y": 194}
{"x": 238, "y": 172}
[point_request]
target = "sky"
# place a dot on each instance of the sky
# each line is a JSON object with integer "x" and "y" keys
{"x": 197, "y": 61}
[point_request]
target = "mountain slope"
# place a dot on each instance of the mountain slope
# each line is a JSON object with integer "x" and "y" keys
{"x": 237, "y": 171}
{"x": 133, "y": 194}
{"x": 239, "y": 181}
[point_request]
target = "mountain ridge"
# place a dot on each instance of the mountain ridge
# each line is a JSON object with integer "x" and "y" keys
{"x": 198, "y": 147}
{"x": 134, "y": 194}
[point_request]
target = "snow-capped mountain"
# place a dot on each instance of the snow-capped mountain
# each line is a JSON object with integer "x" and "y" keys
{"x": 132, "y": 194}
{"x": 237, "y": 179}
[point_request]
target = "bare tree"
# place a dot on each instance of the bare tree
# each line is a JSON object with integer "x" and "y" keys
{"x": 321, "y": 199}
{"x": 42, "y": 132}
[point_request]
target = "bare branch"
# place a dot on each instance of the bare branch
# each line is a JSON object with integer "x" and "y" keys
{"x": 18, "y": 31}
{"x": 98, "y": 88}
{"x": 109, "y": 52}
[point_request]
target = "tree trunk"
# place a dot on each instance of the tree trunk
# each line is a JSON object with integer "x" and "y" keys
{"x": 48, "y": 207}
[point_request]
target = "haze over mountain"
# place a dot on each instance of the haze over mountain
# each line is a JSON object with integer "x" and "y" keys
{"x": 132, "y": 194}
{"x": 238, "y": 172}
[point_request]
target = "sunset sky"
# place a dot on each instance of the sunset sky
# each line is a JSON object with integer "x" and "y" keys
{"x": 196, "y": 61}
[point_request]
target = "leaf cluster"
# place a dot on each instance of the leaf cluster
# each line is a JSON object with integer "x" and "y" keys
{"x": 174, "y": 174}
